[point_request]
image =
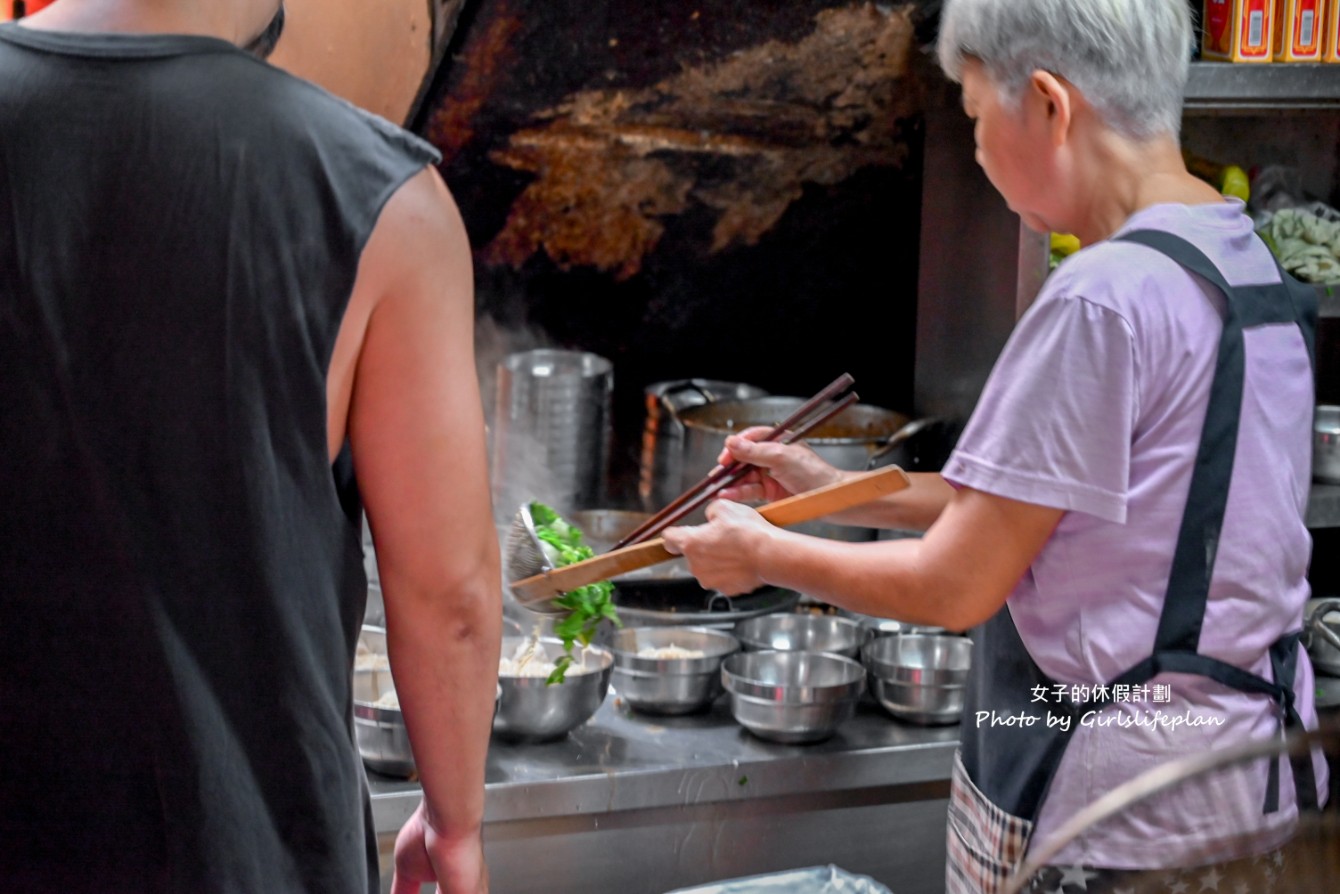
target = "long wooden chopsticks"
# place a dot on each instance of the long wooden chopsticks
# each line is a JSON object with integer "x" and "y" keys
{"x": 833, "y": 399}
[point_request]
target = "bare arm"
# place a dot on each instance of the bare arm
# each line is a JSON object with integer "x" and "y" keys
{"x": 913, "y": 509}
{"x": 957, "y": 576}
{"x": 417, "y": 431}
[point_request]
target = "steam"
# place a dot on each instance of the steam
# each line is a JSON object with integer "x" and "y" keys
{"x": 525, "y": 481}
{"x": 549, "y": 420}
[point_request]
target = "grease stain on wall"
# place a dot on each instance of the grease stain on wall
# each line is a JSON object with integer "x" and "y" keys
{"x": 741, "y": 136}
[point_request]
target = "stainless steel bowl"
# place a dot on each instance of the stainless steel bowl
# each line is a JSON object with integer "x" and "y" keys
{"x": 531, "y": 710}
{"x": 670, "y": 685}
{"x": 886, "y": 626}
{"x": 1321, "y": 627}
{"x": 383, "y": 740}
{"x": 1326, "y": 444}
{"x": 802, "y": 633}
{"x": 381, "y": 734}
{"x": 792, "y": 697}
{"x": 917, "y": 677}
{"x": 371, "y": 650}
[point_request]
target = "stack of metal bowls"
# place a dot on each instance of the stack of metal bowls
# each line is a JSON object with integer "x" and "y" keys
{"x": 802, "y": 633}
{"x": 918, "y": 677}
{"x": 792, "y": 697}
{"x": 531, "y": 710}
{"x": 672, "y": 684}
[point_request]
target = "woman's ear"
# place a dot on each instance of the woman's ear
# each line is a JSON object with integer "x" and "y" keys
{"x": 1053, "y": 95}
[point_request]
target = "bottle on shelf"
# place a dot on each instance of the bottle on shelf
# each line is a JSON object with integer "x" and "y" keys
{"x": 1237, "y": 30}
{"x": 1330, "y": 37}
{"x": 1299, "y": 26}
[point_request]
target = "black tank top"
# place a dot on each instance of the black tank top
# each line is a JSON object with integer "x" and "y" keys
{"x": 181, "y": 580}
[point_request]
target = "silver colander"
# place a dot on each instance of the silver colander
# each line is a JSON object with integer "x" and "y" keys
{"x": 526, "y": 557}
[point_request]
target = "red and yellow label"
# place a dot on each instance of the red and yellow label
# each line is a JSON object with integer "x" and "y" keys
{"x": 1299, "y": 25}
{"x": 1330, "y": 33}
{"x": 1238, "y": 30}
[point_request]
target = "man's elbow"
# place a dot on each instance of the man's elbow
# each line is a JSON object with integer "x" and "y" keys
{"x": 474, "y": 611}
{"x": 466, "y": 595}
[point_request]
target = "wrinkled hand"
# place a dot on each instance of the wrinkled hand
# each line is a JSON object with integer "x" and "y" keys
{"x": 722, "y": 554}
{"x": 422, "y": 855}
{"x": 783, "y": 469}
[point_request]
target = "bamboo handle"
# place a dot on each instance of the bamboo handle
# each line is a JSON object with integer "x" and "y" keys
{"x": 836, "y": 497}
{"x": 792, "y": 510}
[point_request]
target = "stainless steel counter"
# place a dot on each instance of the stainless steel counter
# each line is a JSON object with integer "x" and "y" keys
{"x": 632, "y": 803}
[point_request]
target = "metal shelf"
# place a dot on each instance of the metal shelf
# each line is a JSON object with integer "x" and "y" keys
{"x": 1323, "y": 506}
{"x": 1273, "y": 87}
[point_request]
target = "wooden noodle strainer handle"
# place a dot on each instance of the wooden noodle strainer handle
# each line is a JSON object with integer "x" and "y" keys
{"x": 793, "y": 510}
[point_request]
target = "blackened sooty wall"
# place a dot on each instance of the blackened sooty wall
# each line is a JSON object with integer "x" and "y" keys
{"x": 727, "y": 189}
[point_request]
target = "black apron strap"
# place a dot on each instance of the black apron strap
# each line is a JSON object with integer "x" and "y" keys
{"x": 1284, "y": 665}
{"x": 1198, "y": 539}
{"x": 1178, "y": 637}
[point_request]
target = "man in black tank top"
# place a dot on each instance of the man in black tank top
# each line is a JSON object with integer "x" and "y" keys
{"x": 222, "y": 292}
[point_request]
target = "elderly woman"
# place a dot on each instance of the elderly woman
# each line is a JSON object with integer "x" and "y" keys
{"x": 1123, "y": 514}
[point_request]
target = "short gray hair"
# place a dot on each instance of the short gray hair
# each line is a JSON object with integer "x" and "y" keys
{"x": 1129, "y": 57}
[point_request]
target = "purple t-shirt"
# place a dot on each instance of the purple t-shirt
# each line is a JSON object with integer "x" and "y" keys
{"x": 1096, "y": 406}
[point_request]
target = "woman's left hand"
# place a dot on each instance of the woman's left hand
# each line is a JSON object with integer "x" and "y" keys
{"x": 722, "y": 554}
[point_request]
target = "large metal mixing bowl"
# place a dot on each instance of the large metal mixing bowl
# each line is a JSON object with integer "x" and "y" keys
{"x": 670, "y": 685}
{"x": 802, "y": 633}
{"x": 792, "y": 697}
{"x": 919, "y": 678}
{"x": 381, "y": 734}
{"x": 531, "y": 710}
{"x": 383, "y": 740}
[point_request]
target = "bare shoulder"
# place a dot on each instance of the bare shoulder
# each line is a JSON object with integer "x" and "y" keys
{"x": 413, "y": 296}
{"x": 418, "y": 233}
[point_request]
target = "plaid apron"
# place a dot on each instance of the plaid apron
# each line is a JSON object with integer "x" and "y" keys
{"x": 1002, "y": 773}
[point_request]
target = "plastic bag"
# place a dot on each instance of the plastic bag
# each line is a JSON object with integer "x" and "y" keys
{"x": 814, "y": 880}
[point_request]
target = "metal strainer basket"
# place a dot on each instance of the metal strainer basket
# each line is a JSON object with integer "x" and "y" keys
{"x": 1308, "y": 861}
{"x": 525, "y": 556}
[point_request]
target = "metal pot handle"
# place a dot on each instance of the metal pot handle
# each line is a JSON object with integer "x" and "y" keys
{"x": 1316, "y": 625}
{"x": 682, "y": 385}
{"x": 689, "y": 385}
{"x": 899, "y": 437}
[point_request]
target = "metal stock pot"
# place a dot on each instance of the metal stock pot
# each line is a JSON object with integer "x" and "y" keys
{"x": 660, "y": 475}
{"x": 854, "y": 440}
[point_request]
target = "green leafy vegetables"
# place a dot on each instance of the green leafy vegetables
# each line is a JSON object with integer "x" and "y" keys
{"x": 586, "y": 606}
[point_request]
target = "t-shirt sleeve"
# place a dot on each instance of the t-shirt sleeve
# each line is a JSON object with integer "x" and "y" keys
{"x": 1054, "y": 423}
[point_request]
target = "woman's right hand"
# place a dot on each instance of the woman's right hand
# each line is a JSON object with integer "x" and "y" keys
{"x": 780, "y": 469}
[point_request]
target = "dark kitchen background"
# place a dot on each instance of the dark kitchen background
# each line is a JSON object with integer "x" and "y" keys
{"x": 771, "y": 191}
{"x": 719, "y": 189}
